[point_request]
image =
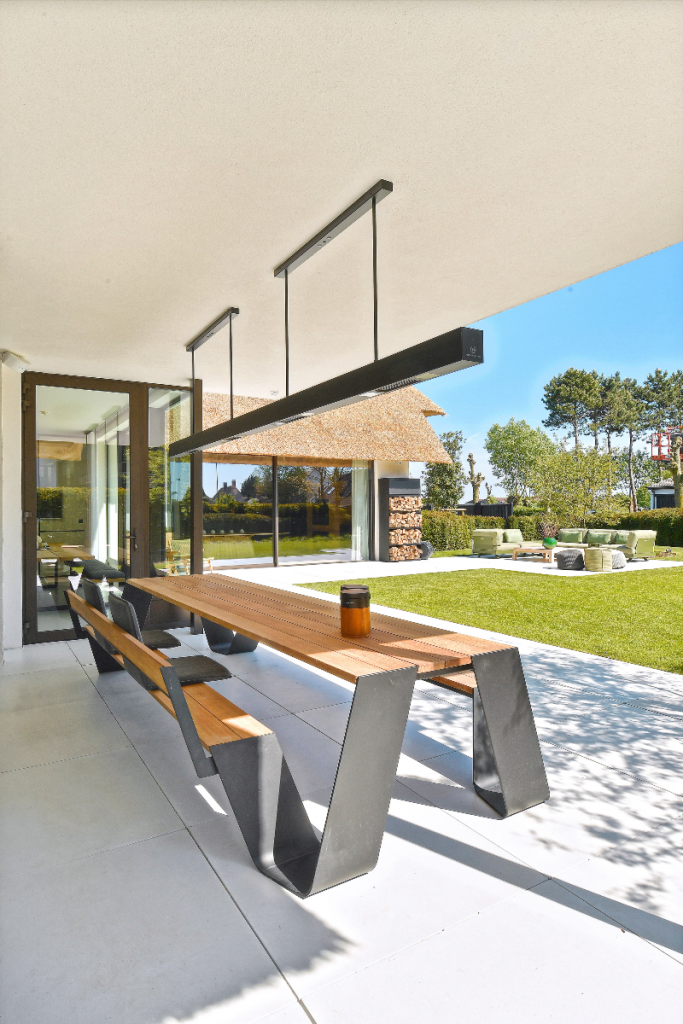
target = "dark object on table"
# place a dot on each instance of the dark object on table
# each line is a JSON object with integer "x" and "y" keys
{"x": 355, "y": 609}
{"x": 569, "y": 558}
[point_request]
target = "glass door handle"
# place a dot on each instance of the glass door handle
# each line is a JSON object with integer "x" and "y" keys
{"x": 134, "y": 539}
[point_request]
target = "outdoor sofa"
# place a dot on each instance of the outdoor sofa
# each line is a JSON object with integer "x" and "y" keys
{"x": 634, "y": 543}
{"x": 499, "y": 542}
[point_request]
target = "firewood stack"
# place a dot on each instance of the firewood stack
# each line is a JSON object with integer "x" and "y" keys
{"x": 405, "y": 527}
{"x": 400, "y": 519}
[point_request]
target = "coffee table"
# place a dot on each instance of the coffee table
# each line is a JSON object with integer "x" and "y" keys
{"x": 547, "y": 553}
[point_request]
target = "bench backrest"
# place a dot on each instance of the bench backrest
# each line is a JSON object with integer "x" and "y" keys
{"x": 149, "y": 662}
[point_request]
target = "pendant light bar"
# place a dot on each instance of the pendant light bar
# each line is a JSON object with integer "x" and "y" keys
{"x": 455, "y": 350}
{"x": 344, "y": 220}
{"x": 212, "y": 329}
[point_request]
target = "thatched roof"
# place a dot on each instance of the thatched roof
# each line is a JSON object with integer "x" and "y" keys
{"x": 391, "y": 427}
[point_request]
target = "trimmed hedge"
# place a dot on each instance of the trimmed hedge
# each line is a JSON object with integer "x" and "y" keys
{"x": 668, "y": 522}
{"x": 450, "y": 532}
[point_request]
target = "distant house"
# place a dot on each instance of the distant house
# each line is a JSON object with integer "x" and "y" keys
{"x": 661, "y": 495}
{"x": 228, "y": 491}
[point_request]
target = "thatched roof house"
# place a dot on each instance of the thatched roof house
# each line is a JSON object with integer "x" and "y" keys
{"x": 391, "y": 427}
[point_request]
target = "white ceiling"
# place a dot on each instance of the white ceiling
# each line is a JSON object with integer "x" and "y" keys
{"x": 158, "y": 160}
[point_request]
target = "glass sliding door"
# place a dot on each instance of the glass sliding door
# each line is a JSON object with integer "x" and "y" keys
{"x": 315, "y": 512}
{"x": 170, "y": 484}
{"x": 101, "y": 498}
{"x": 237, "y": 513}
{"x": 82, "y": 497}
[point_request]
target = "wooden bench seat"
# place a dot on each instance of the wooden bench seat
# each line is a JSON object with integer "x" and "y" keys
{"x": 217, "y": 720}
{"x": 463, "y": 681}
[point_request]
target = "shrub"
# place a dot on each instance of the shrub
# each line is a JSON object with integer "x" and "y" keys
{"x": 668, "y": 522}
{"x": 450, "y": 532}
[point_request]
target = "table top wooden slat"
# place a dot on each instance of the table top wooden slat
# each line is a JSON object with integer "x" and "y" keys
{"x": 379, "y": 642}
{"x": 308, "y": 629}
{"x": 401, "y": 629}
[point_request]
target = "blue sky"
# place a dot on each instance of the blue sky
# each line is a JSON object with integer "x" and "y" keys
{"x": 628, "y": 319}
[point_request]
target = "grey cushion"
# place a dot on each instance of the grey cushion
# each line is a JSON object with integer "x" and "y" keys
{"x": 158, "y": 638}
{"x": 95, "y": 570}
{"x": 618, "y": 560}
{"x": 199, "y": 669}
{"x": 569, "y": 558}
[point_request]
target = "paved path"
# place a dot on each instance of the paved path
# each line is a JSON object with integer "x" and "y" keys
{"x": 128, "y": 894}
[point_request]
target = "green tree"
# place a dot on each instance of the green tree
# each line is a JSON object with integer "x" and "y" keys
{"x": 632, "y": 416}
{"x": 574, "y": 483}
{"x": 657, "y": 394}
{"x": 676, "y": 398}
{"x": 514, "y": 450}
{"x": 641, "y": 468}
{"x": 643, "y": 496}
{"x": 444, "y": 485}
{"x": 572, "y": 399}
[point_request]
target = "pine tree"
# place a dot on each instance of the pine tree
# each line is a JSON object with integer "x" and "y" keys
{"x": 572, "y": 399}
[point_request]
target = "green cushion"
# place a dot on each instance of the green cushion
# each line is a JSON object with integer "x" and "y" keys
{"x": 599, "y": 537}
{"x": 513, "y": 536}
{"x": 576, "y": 536}
{"x": 620, "y": 537}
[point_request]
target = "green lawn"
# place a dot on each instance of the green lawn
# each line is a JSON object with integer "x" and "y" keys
{"x": 633, "y": 616}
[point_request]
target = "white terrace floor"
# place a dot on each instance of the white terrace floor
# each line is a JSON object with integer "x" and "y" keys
{"x": 128, "y": 895}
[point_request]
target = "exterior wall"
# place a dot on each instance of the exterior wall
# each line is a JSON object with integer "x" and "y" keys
{"x": 658, "y": 491}
{"x": 10, "y": 510}
{"x": 383, "y": 469}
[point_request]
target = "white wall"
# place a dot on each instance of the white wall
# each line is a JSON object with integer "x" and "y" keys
{"x": 10, "y": 510}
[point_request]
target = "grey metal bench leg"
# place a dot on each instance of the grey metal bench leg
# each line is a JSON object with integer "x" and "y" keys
{"x": 103, "y": 660}
{"x": 271, "y": 814}
{"x": 508, "y": 770}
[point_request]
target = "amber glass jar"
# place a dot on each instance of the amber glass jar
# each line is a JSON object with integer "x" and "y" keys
{"x": 355, "y": 609}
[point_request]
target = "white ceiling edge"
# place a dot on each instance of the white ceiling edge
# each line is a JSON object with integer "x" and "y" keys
{"x": 157, "y": 161}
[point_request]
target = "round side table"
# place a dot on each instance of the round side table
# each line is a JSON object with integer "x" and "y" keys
{"x": 598, "y": 559}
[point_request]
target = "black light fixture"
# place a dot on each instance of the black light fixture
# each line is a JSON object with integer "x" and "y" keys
{"x": 208, "y": 332}
{"x": 368, "y": 201}
{"x": 455, "y": 350}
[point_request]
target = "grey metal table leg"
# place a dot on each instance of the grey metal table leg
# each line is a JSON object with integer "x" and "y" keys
{"x": 271, "y": 814}
{"x": 508, "y": 769}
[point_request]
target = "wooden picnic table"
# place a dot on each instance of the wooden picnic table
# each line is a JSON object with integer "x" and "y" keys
{"x": 508, "y": 769}
{"x": 308, "y": 629}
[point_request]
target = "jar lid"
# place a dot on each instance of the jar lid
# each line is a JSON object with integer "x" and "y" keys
{"x": 355, "y": 596}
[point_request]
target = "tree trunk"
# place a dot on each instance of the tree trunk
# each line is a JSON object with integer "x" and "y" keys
{"x": 576, "y": 431}
{"x": 676, "y": 471}
{"x": 633, "y": 504}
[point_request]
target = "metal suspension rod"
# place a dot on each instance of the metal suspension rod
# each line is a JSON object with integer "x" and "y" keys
{"x": 286, "y": 332}
{"x": 194, "y": 411}
{"x": 374, "y": 272}
{"x": 232, "y": 411}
